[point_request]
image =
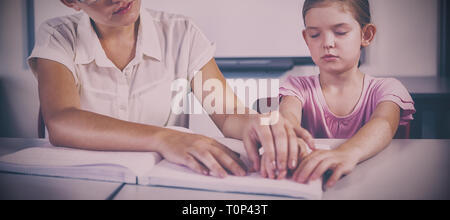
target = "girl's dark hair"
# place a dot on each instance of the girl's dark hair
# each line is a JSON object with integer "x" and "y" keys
{"x": 359, "y": 8}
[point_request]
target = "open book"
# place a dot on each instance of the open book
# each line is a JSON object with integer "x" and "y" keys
{"x": 147, "y": 169}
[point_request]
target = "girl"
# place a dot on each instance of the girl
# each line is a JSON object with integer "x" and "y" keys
{"x": 342, "y": 102}
{"x": 105, "y": 84}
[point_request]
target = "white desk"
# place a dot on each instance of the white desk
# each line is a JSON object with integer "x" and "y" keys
{"x": 408, "y": 169}
{"x": 22, "y": 187}
{"x": 133, "y": 192}
{"x": 26, "y": 187}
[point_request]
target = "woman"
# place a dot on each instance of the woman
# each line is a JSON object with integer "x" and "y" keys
{"x": 105, "y": 84}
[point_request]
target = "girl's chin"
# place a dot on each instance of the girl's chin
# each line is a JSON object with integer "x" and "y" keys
{"x": 334, "y": 69}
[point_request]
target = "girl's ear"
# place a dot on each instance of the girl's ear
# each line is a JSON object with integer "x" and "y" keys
{"x": 305, "y": 37}
{"x": 368, "y": 34}
{"x": 71, "y": 4}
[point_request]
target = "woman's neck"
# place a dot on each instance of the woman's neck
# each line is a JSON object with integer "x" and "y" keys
{"x": 108, "y": 33}
{"x": 352, "y": 77}
{"x": 119, "y": 43}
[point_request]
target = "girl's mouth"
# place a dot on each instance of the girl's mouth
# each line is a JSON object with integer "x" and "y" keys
{"x": 125, "y": 9}
{"x": 330, "y": 57}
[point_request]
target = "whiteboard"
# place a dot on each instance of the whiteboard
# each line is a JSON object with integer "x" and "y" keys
{"x": 240, "y": 28}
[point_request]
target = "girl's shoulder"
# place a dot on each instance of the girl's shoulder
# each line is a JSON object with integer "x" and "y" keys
{"x": 383, "y": 84}
{"x": 383, "y": 89}
{"x": 308, "y": 79}
{"x": 303, "y": 87}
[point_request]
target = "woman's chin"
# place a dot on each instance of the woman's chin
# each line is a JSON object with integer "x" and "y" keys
{"x": 125, "y": 21}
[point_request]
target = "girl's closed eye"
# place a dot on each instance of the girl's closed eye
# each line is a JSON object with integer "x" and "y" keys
{"x": 342, "y": 29}
{"x": 341, "y": 33}
{"x": 313, "y": 33}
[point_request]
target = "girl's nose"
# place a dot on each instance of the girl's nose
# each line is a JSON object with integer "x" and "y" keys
{"x": 329, "y": 41}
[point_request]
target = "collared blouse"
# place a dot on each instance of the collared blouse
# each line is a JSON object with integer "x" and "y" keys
{"x": 169, "y": 47}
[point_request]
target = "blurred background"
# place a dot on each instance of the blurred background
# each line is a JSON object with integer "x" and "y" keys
{"x": 411, "y": 45}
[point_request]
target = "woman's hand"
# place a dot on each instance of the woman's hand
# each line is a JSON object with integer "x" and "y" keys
{"x": 280, "y": 142}
{"x": 202, "y": 154}
{"x": 342, "y": 162}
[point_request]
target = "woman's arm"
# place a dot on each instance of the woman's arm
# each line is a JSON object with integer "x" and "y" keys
{"x": 70, "y": 126}
{"x": 371, "y": 139}
{"x": 279, "y": 139}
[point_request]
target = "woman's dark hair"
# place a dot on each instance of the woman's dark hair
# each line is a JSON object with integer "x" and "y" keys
{"x": 359, "y": 8}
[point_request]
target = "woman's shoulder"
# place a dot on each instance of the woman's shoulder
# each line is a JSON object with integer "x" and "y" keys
{"x": 166, "y": 17}
{"x": 69, "y": 22}
{"x": 62, "y": 30}
{"x": 177, "y": 24}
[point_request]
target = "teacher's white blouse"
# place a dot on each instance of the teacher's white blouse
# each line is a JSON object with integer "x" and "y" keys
{"x": 169, "y": 47}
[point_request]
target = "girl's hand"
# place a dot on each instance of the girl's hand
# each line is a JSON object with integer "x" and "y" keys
{"x": 302, "y": 153}
{"x": 314, "y": 166}
{"x": 202, "y": 154}
{"x": 279, "y": 141}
